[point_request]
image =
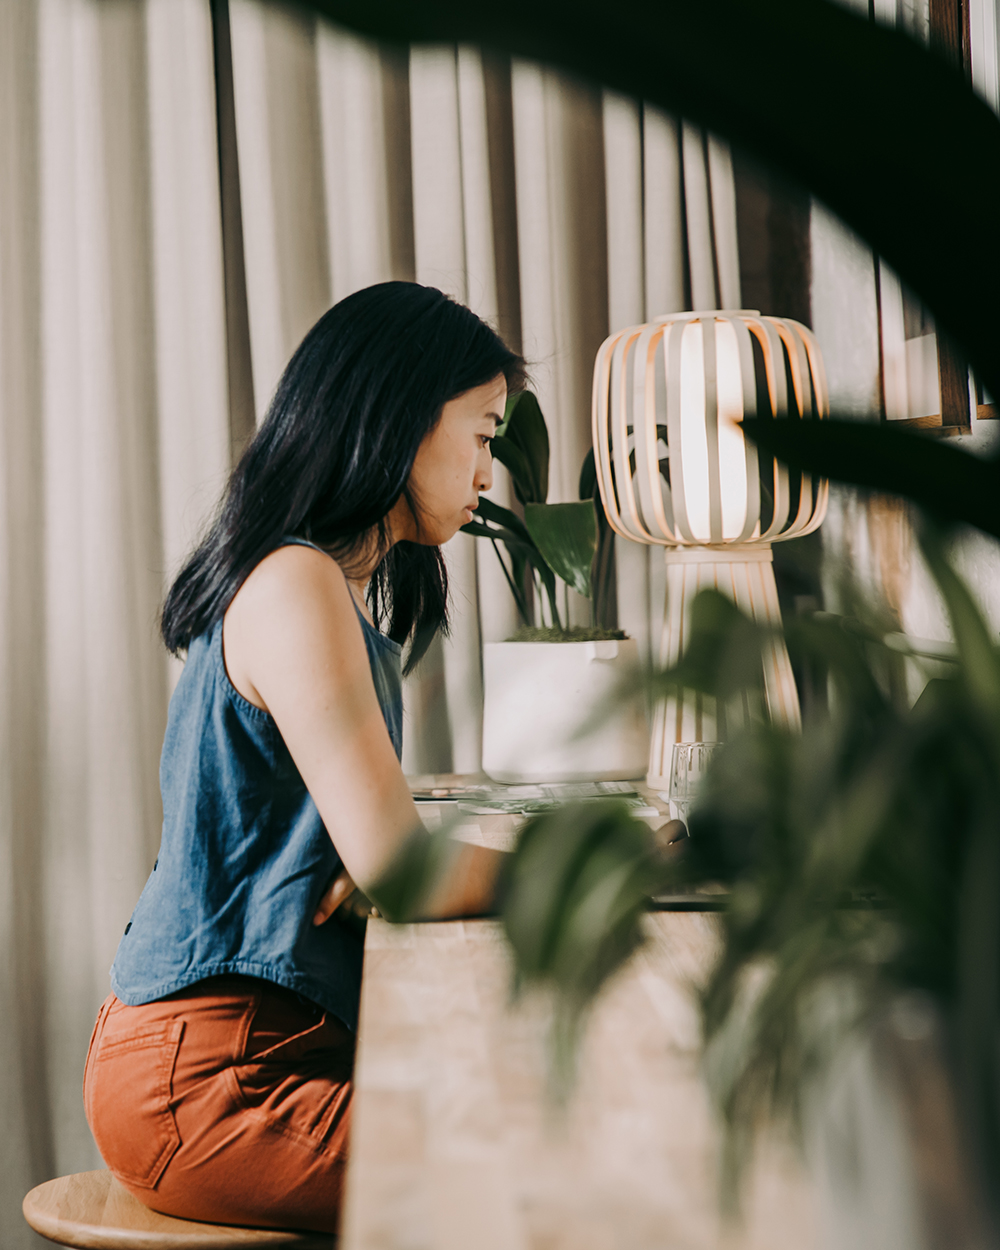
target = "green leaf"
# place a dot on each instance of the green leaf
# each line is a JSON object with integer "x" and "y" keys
{"x": 493, "y": 512}
{"x": 422, "y": 863}
{"x": 498, "y": 533}
{"x": 517, "y": 465}
{"x": 525, "y": 431}
{"x": 574, "y": 891}
{"x": 588, "y": 476}
{"x": 500, "y": 524}
{"x": 949, "y": 483}
{"x": 566, "y": 536}
{"x": 519, "y": 564}
{"x": 515, "y": 580}
{"x": 722, "y": 655}
{"x": 977, "y": 654}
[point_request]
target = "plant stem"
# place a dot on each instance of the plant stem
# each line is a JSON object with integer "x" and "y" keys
{"x": 550, "y": 594}
{"x": 522, "y": 607}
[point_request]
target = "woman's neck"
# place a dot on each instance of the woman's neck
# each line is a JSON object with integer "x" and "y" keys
{"x": 358, "y": 569}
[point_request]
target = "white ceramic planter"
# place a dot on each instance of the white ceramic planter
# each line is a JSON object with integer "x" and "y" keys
{"x": 538, "y": 695}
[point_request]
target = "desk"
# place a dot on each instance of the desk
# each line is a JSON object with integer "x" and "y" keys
{"x": 454, "y": 1146}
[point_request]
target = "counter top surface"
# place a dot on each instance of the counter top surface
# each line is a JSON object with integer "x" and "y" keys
{"x": 456, "y": 1147}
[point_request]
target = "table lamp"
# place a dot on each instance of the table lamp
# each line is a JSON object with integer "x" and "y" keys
{"x": 676, "y": 471}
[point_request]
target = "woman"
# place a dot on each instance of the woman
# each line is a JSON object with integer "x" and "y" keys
{"x": 218, "y": 1083}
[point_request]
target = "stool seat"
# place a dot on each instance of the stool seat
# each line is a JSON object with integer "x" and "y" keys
{"x": 92, "y": 1210}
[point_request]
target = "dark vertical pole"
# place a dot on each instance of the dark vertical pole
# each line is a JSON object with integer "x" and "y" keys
{"x": 503, "y": 194}
{"x": 949, "y": 34}
{"x": 772, "y": 226}
{"x": 399, "y": 161}
{"x": 242, "y": 412}
{"x": 953, "y": 373}
{"x": 881, "y": 350}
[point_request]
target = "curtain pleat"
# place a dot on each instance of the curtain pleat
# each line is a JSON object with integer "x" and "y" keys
{"x": 477, "y": 198}
{"x": 672, "y": 245}
{"x": 558, "y": 142}
{"x": 277, "y": 97}
{"x": 26, "y": 1143}
{"x": 355, "y": 161}
{"x": 447, "y": 686}
{"x": 664, "y": 240}
{"x": 104, "y": 675}
{"x": 722, "y": 192}
{"x": 190, "y": 350}
{"x": 642, "y": 242}
{"x": 698, "y": 219}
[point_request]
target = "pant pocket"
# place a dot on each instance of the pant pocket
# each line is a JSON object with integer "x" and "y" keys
{"x": 127, "y": 1097}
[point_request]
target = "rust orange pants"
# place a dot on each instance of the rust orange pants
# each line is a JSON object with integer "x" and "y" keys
{"x": 228, "y": 1102}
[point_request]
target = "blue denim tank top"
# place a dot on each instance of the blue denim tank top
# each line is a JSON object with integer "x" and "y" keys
{"x": 244, "y": 856}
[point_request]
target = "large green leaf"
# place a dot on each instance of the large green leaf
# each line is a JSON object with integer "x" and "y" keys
{"x": 807, "y": 86}
{"x": 518, "y": 466}
{"x": 518, "y": 553}
{"x": 497, "y": 533}
{"x": 498, "y": 515}
{"x": 500, "y": 524}
{"x": 951, "y": 483}
{"x": 526, "y": 453}
{"x": 566, "y": 536}
{"x": 588, "y": 477}
{"x": 605, "y": 605}
{"x": 405, "y": 888}
{"x": 977, "y": 653}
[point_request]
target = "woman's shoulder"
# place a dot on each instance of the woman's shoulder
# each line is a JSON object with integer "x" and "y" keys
{"x": 292, "y": 576}
{"x": 290, "y": 609}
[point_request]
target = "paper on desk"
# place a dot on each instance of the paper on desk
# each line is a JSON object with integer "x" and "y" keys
{"x": 532, "y": 806}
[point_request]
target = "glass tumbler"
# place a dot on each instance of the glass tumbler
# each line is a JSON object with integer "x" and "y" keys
{"x": 688, "y": 765}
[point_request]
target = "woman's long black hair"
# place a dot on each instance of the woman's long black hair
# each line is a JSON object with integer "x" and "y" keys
{"x": 334, "y": 454}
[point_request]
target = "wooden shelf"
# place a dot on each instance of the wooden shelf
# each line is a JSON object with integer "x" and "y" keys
{"x": 934, "y": 424}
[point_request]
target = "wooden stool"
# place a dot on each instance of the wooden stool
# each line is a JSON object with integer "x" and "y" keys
{"x": 92, "y": 1210}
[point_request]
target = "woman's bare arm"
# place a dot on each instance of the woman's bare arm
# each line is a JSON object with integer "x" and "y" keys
{"x": 293, "y": 646}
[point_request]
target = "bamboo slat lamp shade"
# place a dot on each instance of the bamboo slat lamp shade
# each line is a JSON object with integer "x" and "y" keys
{"x": 676, "y": 471}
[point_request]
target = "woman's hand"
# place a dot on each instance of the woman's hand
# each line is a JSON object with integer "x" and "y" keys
{"x": 341, "y": 889}
{"x": 345, "y": 897}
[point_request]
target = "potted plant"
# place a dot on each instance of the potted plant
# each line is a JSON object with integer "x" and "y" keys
{"x": 543, "y": 685}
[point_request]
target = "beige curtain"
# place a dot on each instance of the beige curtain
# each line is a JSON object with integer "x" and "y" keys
{"x": 147, "y": 309}
{"x": 115, "y": 438}
{"x": 551, "y": 210}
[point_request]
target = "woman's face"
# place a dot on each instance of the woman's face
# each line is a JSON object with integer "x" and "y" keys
{"x": 453, "y": 464}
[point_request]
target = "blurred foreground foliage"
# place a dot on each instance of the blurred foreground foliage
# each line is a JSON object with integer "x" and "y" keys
{"x": 573, "y": 897}
{"x": 861, "y": 856}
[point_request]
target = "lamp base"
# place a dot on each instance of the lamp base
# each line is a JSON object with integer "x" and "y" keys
{"x": 746, "y": 575}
